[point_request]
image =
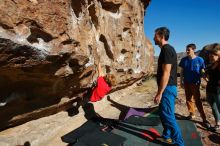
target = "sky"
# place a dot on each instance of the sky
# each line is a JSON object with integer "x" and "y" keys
{"x": 189, "y": 21}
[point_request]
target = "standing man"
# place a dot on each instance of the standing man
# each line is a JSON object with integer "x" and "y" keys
{"x": 167, "y": 87}
{"x": 192, "y": 69}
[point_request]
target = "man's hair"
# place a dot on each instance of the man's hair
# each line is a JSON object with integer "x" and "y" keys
{"x": 163, "y": 31}
{"x": 110, "y": 79}
{"x": 193, "y": 46}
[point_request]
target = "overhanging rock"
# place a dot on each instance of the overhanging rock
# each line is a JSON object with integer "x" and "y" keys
{"x": 49, "y": 51}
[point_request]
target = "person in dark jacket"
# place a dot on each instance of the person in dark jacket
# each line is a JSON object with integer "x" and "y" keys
{"x": 213, "y": 85}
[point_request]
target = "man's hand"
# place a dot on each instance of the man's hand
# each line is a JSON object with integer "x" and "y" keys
{"x": 181, "y": 78}
{"x": 157, "y": 98}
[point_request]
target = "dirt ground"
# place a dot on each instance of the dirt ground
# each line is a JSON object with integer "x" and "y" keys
{"x": 49, "y": 130}
{"x": 209, "y": 138}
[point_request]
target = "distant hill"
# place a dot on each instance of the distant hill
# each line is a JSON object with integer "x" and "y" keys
{"x": 202, "y": 53}
{"x": 179, "y": 57}
{"x": 205, "y": 51}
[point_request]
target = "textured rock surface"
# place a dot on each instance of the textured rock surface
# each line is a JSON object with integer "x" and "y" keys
{"x": 49, "y": 51}
{"x": 204, "y": 52}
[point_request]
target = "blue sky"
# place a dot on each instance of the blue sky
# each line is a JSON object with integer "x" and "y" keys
{"x": 189, "y": 21}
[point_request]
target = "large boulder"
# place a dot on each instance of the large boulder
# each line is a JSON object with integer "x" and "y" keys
{"x": 204, "y": 53}
{"x": 49, "y": 51}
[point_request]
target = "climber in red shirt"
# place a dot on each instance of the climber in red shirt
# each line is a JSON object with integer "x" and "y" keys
{"x": 104, "y": 84}
{"x": 96, "y": 93}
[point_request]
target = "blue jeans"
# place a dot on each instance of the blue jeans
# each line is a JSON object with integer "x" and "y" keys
{"x": 167, "y": 116}
{"x": 218, "y": 98}
{"x": 214, "y": 101}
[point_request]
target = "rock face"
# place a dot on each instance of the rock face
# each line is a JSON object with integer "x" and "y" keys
{"x": 205, "y": 51}
{"x": 49, "y": 51}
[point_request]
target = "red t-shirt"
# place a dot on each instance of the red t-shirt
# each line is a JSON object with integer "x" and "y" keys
{"x": 100, "y": 90}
